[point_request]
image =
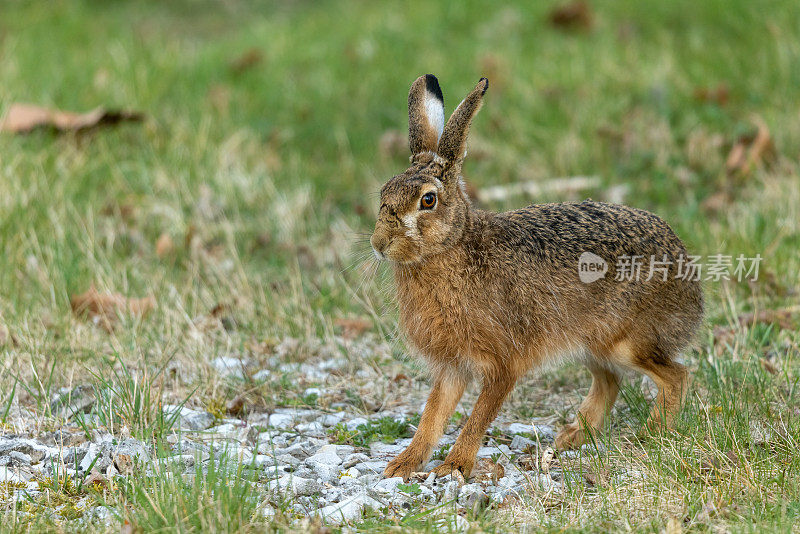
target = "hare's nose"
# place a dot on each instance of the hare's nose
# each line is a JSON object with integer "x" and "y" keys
{"x": 379, "y": 244}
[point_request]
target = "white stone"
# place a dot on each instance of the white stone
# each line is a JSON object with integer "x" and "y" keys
{"x": 342, "y": 451}
{"x": 378, "y": 448}
{"x": 348, "y": 510}
{"x": 352, "y": 472}
{"x": 353, "y": 459}
{"x": 388, "y": 486}
{"x": 263, "y": 375}
{"x": 281, "y": 420}
{"x": 353, "y": 424}
{"x": 310, "y": 428}
{"x": 521, "y": 443}
{"x": 331, "y": 419}
{"x": 228, "y": 366}
{"x": 299, "y": 486}
{"x": 189, "y": 419}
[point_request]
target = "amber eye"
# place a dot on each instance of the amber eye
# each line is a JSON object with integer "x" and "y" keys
{"x": 428, "y": 201}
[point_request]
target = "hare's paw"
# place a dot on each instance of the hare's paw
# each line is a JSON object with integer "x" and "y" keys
{"x": 455, "y": 463}
{"x": 402, "y": 466}
{"x": 571, "y": 436}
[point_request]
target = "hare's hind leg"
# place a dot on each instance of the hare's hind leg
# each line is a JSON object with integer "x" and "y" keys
{"x": 593, "y": 409}
{"x": 671, "y": 379}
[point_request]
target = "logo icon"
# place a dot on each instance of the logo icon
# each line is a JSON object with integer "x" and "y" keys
{"x": 591, "y": 267}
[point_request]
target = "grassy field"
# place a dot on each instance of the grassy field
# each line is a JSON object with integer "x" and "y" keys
{"x": 268, "y": 132}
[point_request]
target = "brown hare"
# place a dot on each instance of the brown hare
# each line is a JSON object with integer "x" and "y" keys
{"x": 492, "y": 295}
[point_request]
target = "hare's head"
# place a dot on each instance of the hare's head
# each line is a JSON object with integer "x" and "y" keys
{"x": 423, "y": 210}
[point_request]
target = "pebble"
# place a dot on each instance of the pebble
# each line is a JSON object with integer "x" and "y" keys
{"x": 229, "y": 367}
{"x": 281, "y": 420}
{"x": 337, "y": 482}
{"x": 348, "y": 510}
{"x": 189, "y": 419}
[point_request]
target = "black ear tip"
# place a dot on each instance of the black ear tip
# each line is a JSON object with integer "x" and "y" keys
{"x": 432, "y": 85}
{"x": 485, "y": 82}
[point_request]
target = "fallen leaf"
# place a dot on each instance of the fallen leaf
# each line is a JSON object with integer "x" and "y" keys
{"x": 595, "y": 477}
{"x": 109, "y": 306}
{"x": 750, "y": 150}
{"x": 781, "y": 317}
{"x": 769, "y": 367}
{"x": 21, "y": 118}
{"x": 164, "y": 245}
{"x": 352, "y": 328}
{"x": 548, "y": 457}
{"x": 236, "y": 405}
{"x": 124, "y": 463}
{"x": 97, "y": 479}
{"x": 487, "y": 470}
{"x": 717, "y": 95}
{"x": 247, "y": 60}
{"x": 716, "y": 202}
{"x": 572, "y": 16}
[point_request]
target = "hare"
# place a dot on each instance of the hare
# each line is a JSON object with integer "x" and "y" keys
{"x": 494, "y": 295}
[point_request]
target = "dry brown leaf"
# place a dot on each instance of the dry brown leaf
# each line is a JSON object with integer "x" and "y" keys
{"x": 487, "y": 470}
{"x": 548, "y": 458}
{"x": 781, "y": 317}
{"x": 96, "y": 478}
{"x": 236, "y": 405}
{"x": 21, "y": 118}
{"x": 750, "y": 151}
{"x": 124, "y": 463}
{"x": 109, "y": 306}
{"x": 574, "y": 15}
{"x": 769, "y": 367}
{"x": 352, "y": 328}
{"x": 596, "y": 477}
{"x": 718, "y": 95}
{"x": 716, "y": 202}
{"x": 247, "y": 60}
{"x": 164, "y": 245}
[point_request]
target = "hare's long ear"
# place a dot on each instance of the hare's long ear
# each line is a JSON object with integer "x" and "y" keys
{"x": 425, "y": 114}
{"x": 454, "y": 139}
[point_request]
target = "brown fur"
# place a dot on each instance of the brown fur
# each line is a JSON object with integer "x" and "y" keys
{"x": 493, "y": 295}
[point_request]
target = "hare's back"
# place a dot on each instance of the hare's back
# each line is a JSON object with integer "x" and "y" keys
{"x": 561, "y": 232}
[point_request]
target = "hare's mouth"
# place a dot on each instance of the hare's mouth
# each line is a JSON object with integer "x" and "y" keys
{"x": 380, "y": 256}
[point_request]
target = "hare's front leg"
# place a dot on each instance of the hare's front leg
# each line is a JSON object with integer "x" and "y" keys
{"x": 447, "y": 391}
{"x": 462, "y": 455}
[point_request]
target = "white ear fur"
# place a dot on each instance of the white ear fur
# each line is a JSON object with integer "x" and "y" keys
{"x": 434, "y": 112}
{"x": 425, "y": 114}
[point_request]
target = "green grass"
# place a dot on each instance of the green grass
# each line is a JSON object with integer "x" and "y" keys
{"x": 385, "y": 429}
{"x": 266, "y": 179}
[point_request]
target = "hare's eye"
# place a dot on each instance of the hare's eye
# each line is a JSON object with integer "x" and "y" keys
{"x": 428, "y": 201}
